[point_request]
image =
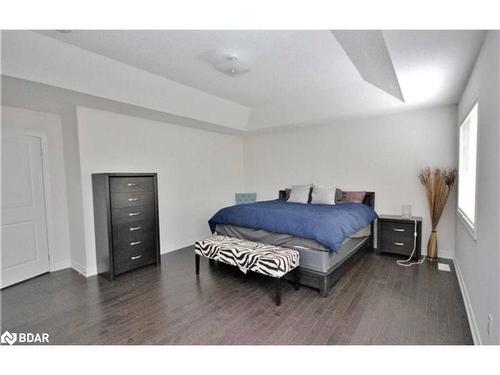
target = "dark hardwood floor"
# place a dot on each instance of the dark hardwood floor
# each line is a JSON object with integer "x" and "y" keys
{"x": 376, "y": 302}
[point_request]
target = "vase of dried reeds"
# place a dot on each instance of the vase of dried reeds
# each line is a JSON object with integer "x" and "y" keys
{"x": 438, "y": 185}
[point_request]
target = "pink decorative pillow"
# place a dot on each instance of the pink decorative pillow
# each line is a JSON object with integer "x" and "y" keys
{"x": 354, "y": 196}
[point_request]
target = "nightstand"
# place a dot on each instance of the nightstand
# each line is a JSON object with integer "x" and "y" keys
{"x": 395, "y": 235}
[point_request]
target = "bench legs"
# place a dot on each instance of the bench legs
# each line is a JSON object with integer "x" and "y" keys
{"x": 296, "y": 278}
{"x": 197, "y": 263}
{"x": 277, "y": 281}
{"x": 277, "y": 290}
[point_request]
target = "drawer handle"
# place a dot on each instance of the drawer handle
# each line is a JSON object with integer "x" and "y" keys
{"x": 133, "y": 199}
{"x": 398, "y": 243}
{"x": 134, "y": 213}
{"x": 136, "y": 257}
{"x": 132, "y": 184}
{"x": 135, "y": 243}
{"x": 134, "y": 228}
{"x": 398, "y": 229}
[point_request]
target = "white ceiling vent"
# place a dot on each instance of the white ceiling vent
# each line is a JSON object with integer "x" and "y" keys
{"x": 231, "y": 66}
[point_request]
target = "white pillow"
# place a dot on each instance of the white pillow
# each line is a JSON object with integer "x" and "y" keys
{"x": 299, "y": 194}
{"x": 323, "y": 194}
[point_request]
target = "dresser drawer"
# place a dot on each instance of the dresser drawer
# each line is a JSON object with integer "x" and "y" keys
{"x": 133, "y": 239}
{"x": 121, "y": 200}
{"x": 129, "y": 231}
{"x": 130, "y": 184}
{"x": 131, "y": 214}
{"x": 128, "y": 257}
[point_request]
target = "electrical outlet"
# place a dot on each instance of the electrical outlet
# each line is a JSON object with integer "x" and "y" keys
{"x": 490, "y": 321}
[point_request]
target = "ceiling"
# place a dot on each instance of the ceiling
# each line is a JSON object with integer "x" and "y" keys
{"x": 295, "y": 76}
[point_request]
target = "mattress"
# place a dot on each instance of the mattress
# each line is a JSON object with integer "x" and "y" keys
{"x": 327, "y": 224}
{"x": 313, "y": 255}
{"x": 271, "y": 238}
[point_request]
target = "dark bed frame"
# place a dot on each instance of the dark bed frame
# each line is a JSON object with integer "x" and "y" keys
{"x": 323, "y": 281}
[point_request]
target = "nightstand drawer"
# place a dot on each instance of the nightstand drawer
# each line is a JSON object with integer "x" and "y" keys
{"x": 394, "y": 246}
{"x": 397, "y": 231}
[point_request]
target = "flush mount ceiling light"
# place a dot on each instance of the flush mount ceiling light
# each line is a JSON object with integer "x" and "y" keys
{"x": 231, "y": 66}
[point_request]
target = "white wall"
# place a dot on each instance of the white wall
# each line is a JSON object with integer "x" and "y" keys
{"x": 478, "y": 261}
{"x": 381, "y": 154}
{"x": 48, "y": 126}
{"x": 35, "y": 57}
{"x": 198, "y": 171}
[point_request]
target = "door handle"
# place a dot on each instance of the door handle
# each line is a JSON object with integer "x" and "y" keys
{"x": 398, "y": 229}
{"x": 398, "y": 243}
{"x": 134, "y": 213}
{"x": 136, "y": 257}
{"x": 134, "y": 228}
{"x": 133, "y": 199}
{"x": 135, "y": 243}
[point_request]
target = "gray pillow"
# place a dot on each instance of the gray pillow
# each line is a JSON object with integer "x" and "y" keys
{"x": 299, "y": 194}
{"x": 323, "y": 194}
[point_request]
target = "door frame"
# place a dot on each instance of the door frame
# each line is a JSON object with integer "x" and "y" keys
{"x": 45, "y": 184}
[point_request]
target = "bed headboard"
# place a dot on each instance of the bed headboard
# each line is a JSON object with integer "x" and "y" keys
{"x": 369, "y": 197}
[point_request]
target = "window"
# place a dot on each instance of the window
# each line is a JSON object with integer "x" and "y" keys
{"x": 467, "y": 168}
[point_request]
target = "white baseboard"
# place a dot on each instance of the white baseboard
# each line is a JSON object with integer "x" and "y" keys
{"x": 79, "y": 268}
{"x": 92, "y": 271}
{"x": 442, "y": 253}
{"x": 468, "y": 306}
{"x": 57, "y": 266}
{"x": 179, "y": 245}
{"x": 446, "y": 254}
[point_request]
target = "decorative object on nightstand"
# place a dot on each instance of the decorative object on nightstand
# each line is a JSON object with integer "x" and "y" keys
{"x": 396, "y": 236}
{"x": 126, "y": 222}
{"x": 406, "y": 211}
{"x": 438, "y": 185}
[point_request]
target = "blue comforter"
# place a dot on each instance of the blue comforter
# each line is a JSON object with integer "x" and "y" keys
{"x": 329, "y": 225}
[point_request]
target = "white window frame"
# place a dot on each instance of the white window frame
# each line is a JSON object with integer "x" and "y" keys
{"x": 471, "y": 227}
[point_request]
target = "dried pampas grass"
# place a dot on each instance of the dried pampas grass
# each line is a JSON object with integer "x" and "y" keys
{"x": 438, "y": 185}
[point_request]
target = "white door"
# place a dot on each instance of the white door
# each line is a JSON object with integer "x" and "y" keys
{"x": 25, "y": 250}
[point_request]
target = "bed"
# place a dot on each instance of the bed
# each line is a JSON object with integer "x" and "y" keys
{"x": 329, "y": 238}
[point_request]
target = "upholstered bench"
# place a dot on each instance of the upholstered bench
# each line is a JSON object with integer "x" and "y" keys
{"x": 273, "y": 261}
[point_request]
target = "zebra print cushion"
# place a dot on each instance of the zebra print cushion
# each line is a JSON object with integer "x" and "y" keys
{"x": 269, "y": 260}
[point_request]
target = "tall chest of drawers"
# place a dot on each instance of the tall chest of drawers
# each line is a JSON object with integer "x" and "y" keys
{"x": 126, "y": 222}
